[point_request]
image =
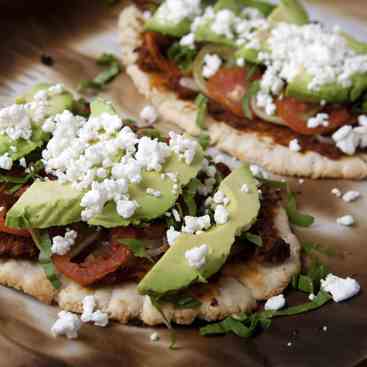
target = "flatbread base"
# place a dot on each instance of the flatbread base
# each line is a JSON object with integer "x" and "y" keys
{"x": 237, "y": 289}
{"x": 243, "y": 145}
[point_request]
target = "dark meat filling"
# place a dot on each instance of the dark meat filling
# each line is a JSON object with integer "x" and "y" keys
{"x": 17, "y": 247}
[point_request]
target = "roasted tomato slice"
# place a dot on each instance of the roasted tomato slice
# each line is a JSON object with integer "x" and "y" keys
{"x": 93, "y": 268}
{"x": 107, "y": 259}
{"x": 228, "y": 86}
{"x": 295, "y": 114}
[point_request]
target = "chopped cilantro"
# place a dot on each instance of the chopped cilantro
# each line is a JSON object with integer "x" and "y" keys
{"x": 189, "y": 196}
{"x": 113, "y": 68}
{"x": 43, "y": 242}
{"x": 252, "y": 91}
{"x": 204, "y": 140}
{"x": 309, "y": 247}
{"x": 245, "y": 326}
{"x": 183, "y": 56}
{"x": 254, "y": 238}
{"x": 202, "y": 104}
{"x": 136, "y": 246}
{"x": 295, "y": 217}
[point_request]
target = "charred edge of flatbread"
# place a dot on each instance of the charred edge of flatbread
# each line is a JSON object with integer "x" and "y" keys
{"x": 236, "y": 290}
{"x": 243, "y": 145}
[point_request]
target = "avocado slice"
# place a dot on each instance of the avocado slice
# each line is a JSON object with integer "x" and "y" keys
{"x": 172, "y": 272}
{"x": 160, "y": 23}
{"x": 46, "y": 204}
{"x": 263, "y": 6}
{"x": 57, "y": 104}
{"x": 204, "y": 32}
{"x": 331, "y": 93}
{"x": 60, "y": 203}
{"x": 290, "y": 11}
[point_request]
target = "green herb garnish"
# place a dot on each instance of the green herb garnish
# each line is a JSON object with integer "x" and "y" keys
{"x": 136, "y": 246}
{"x": 254, "y": 238}
{"x": 245, "y": 326}
{"x": 113, "y": 68}
{"x": 295, "y": 217}
{"x": 309, "y": 248}
{"x": 204, "y": 140}
{"x": 252, "y": 91}
{"x": 189, "y": 196}
{"x": 157, "y": 305}
{"x": 201, "y": 102}
{"x": 180, "y": 301}
{"x": 273, "y": 183}
{"x": 43, "y": 242}
{"x": 183, "y": 56}
{"x": 14, "y": 183}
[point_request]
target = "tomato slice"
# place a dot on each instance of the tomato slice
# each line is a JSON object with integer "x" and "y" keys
{"x": 228, "y": 86}
{"x": 112, "y": 256}
{"x": 10, "y": 230}
{"x": 93, "y": 268}
{"x": 296, "y": 114}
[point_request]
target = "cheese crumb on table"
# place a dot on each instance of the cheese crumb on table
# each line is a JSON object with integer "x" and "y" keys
{"x": 68, "y": 324}
{"x": 275, "y": 303}
{"x": 98, "y": 317}
{"x": 294, "y": 145}
{"x": 335, "y": 191}
{"x": 350, "y": 196}
{"x": 340, "y": 288}
{"x": 154, "y": 337}
{"x": 346, "y": 220}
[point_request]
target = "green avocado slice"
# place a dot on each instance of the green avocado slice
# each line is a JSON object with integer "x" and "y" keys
{"x": 57, "y": 104}
{"x": 159, "y": 23}
{"x": 290, "y": 11}
{"x": 172, "y": 272}
{"x": 47, "y": 204}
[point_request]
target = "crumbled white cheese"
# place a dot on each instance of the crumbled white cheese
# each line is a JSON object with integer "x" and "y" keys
{"x": 149, "y": 115}
{"x": 335, "y": 191}
{"x": 321, "y": 119}
{"x": 23, "y": 162}
{"x": 196, "y": 257}
{"x": 245, "y": 188}
{"x": 221, "y": 215}
{"x": 184, "y": 147}
{"x": 350, "y": 196}
{"x": 275, "y": 303}
{"x": 147, "y": 14}
{"x": 175, "y": 11}
{"x": 195, "y": 224}
{"x": 324, "y": 328}
{"x": 294, "y": 145}
{"x": 346, "y": 220}
{"x": 176, "y": 215}
{"x": 346, "y": 139}
{"x": 223, "y": 23}
{"x": 98, "y": 317}
{"x": 265, "y": 101}
{"x": 220, "y": 198}
{"x": 172, "y": 235}
{"x": 61, "y": 245}
{"x": 15, "y": 122}
{"x": 67, "y": 324}
{"x": 259, "y": 172}
{"x": 154, "y": 337}
{"x": 311, "y": 296}
{"x": 6, "y": 162}
{"x": 340, "y": 288}
{"x": 301, "y": 181}
{"x": 362, "y": 120}
{"x": 126, "y": 208}
{"x": 188, "y": 40}
{"x": 212, "y": 63}
{"x": 241, "y": 62}
{"x": 152, "y": 192}
{"x": 151, "y": 154}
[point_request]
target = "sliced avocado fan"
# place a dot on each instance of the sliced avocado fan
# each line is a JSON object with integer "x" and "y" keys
{"x": 56, "y": 104}
{"x": 172, "y": 272}
{"x": 50, "y": 203}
